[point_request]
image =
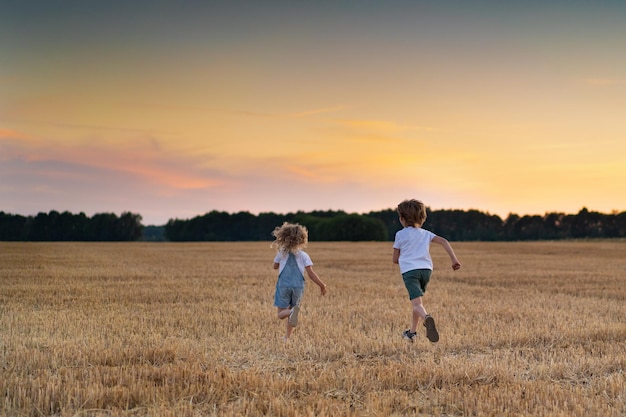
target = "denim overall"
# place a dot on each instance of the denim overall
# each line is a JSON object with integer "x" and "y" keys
{"x": 291, "y": 276}
{"x": 290, "y": 285}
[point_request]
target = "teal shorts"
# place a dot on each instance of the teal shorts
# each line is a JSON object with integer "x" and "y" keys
{"x": 416, "y": 281}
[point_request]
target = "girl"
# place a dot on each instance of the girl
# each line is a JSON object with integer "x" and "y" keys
{"x": 291, "y": 262}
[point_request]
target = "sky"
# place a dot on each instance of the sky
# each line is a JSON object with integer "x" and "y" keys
{"x": 172, "y": 109}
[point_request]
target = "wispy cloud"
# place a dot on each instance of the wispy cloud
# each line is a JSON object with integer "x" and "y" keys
{"x": 601, "y": 82}
{"x": 89, "y": 127}
{"x": 319, "y": 111}
{"x": 310, "y": 174}
{"x": 291, "y": 115}
{"x": 143, "y": 159}
{"x": 383, "y": 126}
{"x": 13, "y": 134}
{"x": 239, "y": 112}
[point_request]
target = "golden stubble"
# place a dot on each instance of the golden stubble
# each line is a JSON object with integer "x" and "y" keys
{"x": 189, "y": 329}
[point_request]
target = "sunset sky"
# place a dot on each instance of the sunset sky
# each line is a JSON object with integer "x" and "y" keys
{"x": 173, "y": 109}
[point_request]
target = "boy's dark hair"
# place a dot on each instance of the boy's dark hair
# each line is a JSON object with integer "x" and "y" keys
{"x": 413, "y": 212}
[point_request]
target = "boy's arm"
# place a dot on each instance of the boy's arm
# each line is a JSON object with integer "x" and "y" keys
{"x": 276, "y": 265}
{"x": 446, "y": 245}
{"x": 316, "y": 279}
{"x": 396, "y": 255}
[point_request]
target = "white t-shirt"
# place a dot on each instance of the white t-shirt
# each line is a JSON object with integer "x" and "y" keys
{"x": 302, "y": 259}
{"x": 414, "y": 245}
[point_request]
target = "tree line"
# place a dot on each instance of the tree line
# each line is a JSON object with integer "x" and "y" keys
{"x": 55, "y": 226}
{"x": 456, "y": 225}
{"x": 219, "y": 226}
{"x": 322, "y": 226}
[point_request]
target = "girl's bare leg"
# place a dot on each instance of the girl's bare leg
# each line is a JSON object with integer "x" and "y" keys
{"x": 283, "y": 313}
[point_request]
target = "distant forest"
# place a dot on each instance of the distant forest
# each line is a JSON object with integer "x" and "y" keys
{"x": 55, "y": 226}
{"x": 218, "y": 226}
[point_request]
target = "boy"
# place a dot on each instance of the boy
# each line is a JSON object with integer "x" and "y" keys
{"x": 411, "y": 251}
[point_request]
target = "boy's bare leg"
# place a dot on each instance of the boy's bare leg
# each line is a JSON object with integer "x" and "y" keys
{"x": 419, "y": 312}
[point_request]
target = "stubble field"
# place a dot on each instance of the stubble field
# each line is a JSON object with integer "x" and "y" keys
{"x": 163, "y": 329}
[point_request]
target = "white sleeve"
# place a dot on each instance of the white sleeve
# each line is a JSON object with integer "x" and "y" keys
{"x": 306, "y": 259}
{"x": 278, "y": 257}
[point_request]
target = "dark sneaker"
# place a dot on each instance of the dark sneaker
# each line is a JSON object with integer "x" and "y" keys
{"x": 409, "y": 335}
{"x": 431, "y": 329}
{"x": 293, "y": 316}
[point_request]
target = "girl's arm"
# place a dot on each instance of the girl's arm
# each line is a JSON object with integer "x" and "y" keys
{"x": 446, "y": 245}
{"x": 316, "y": 279}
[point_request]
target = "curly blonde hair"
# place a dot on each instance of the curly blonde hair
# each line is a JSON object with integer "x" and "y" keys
{"x": 413, "y": 212}
{"x": 290, "y": 237}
